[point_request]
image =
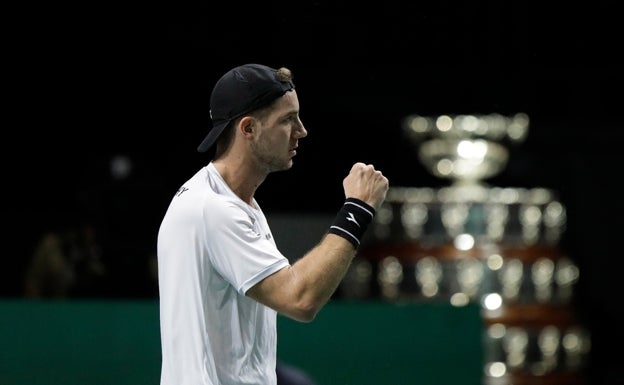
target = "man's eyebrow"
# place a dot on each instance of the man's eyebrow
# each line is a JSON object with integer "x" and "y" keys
{"x": 291, "y": 113}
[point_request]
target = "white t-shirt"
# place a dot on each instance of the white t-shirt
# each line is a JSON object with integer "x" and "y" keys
{"x": 213, "y": 247}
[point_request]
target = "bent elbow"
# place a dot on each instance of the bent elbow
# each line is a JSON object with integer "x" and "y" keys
{"x": 306, "y": 312}
{"x": 304, "y": 317}
{"x": 307, "y": 317}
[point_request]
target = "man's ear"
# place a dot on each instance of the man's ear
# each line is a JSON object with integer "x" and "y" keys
{"x": 246, "y": 124}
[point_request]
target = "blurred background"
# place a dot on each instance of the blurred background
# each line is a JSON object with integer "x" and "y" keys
{"x": 110, "y": 100}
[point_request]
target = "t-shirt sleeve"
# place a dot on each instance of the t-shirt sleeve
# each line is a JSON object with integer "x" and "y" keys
{"x": 239, "y": 250}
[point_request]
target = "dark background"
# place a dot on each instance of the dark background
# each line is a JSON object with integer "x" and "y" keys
{"x": 118, "y": 79}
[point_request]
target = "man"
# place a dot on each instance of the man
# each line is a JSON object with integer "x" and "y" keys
{"x": 222, "y": 279}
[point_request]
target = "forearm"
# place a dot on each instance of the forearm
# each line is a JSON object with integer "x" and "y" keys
{"x": 318, "y": 274}
{"x": 300, "y": 290}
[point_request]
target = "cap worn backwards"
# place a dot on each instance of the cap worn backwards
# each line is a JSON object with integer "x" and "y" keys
{"x": 241, "y": 90}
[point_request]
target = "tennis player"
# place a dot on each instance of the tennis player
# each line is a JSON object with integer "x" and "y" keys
{"x": 222, "y": 280}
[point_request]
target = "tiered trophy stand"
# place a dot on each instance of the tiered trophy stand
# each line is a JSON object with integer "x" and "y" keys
{"x": 470, "y": 242}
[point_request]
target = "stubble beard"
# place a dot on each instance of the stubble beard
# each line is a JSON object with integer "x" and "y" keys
{"x": 270, "y": 159}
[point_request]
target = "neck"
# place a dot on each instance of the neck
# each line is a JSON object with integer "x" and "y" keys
{"x": 242, "y": 179}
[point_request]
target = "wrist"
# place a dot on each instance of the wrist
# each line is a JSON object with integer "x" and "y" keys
{"x": 352, "y": 220}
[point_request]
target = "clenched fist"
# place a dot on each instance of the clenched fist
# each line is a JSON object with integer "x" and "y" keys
{"x": 366, "y": 183}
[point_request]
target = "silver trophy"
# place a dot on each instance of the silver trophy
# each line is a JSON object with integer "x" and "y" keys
{"x": 471, "y": 242}
{"x": 465, "y": 148}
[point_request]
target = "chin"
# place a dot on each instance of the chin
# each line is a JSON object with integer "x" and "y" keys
{"x": 288, "y": 165}
{"x": 282, "y": 166}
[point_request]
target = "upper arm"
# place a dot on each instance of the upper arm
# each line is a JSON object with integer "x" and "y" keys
{"x": 279, "y": 291}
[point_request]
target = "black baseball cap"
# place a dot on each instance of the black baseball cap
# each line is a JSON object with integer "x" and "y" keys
{"x": 239, "y": 91}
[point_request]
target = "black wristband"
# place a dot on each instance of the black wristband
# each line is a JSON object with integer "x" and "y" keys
{"x": 352, "y": 220}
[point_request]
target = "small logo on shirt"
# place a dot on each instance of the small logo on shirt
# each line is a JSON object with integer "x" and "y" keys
{"x": 180, "y": 191}
{"x": 258, "y": 232}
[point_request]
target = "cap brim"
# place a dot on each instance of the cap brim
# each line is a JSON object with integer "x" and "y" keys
{"x": 212, "y": 136}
